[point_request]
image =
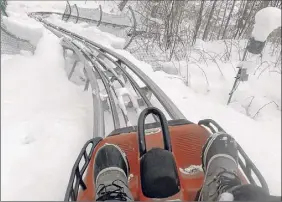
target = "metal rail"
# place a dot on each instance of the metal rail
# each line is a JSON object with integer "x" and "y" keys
{"x": 76, "y": 13}
{"x": 98, "y": 119}
{"x": 96, "y": 73}
{"x": 68, "y": 8}
{"x": 98, "y": 122}
{"x": 133, "y": 28}
{"x": 80, "y": 18}
{"x": 97, "y": 22}
{"x": 169, "y": 106}
{"x": 107, "y": 87}
{"x": 96, "y": 68}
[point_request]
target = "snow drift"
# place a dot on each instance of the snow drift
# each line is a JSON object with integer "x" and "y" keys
{"x": 266, "y": 20}
{"x": 46, "y": 119}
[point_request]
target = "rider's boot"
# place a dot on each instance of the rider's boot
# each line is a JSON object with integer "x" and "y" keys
{"x": 220, "y": 164}
{"x": 111, "y": 172}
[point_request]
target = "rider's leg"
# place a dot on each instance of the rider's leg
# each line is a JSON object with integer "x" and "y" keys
{"x": 220, "y": 164}
{"x": 111, "y": 172}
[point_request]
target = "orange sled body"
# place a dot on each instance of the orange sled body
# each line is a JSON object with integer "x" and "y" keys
{"x": 187, "y": 140}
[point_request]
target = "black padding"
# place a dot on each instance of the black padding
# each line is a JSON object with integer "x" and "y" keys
{"x": 254, "y": 46}
{"x": 159, "y": 178}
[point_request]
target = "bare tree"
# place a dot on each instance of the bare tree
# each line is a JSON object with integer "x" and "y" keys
{"x": 240, "y": 13}
{"x": 222, "y": 20}
{"x": 247, "y": 20}
{"x": 216, "y": 21}
{"x": 209, "y": 21}
{"x": 228, "y": 19}
{"x": 174, "y": 25}
{"x": 122, "y": 4}
{"x": 199, "y": 20}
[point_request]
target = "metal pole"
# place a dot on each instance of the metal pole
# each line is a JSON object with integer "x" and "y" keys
{"x": 235, "y": 85}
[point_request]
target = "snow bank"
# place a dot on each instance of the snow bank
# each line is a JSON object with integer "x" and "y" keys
{"x": 23, "y": 7}
{"x": 169, "y": 67}
{"x": 24, "y": 28}
{"x": 46, "y": 119}
{"x": 90, "y": 32}
{"x": 202, "y": 74}
{"x": 266, "y": 20}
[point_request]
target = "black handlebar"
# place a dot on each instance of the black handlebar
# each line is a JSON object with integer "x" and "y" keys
{"x": 141, "y": 129}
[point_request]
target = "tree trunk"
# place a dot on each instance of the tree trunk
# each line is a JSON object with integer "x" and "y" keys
{"x": 177, "y": 19}
{"x": 222, "y": 21}
{"x": 239, "y": 21}
{"x": 255, "y": 8}
{"x": 216, "y": 21}
{"x": 278, "y": 4}
{"x": 198, "y": 23}
{"x": 122, "y": 4}
{"x": 228, "y": 19}
{"x": 264, "y": 4}
{"x": 247, "y": 20}
{"x": 169, "y": 26}
{"x": 209, "y": 20}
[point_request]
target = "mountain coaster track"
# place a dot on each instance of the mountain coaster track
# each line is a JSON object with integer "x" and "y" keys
{"x": 96, "y": 70}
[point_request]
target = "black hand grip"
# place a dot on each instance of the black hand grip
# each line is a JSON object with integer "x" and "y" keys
{"x": 141, "y": 129}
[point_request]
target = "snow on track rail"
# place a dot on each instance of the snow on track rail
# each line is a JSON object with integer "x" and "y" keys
{"x": 88, "y": 20}
{"x": 92, "y": 55}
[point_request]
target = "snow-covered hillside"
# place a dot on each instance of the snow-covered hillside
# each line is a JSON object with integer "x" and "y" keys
{"x": 46, "y": 119}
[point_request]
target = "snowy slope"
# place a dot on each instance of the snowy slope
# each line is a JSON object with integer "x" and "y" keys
{"x": 253, "y": 136}
{"x": 205, "y": 78}
{"x": 46, "y": 119}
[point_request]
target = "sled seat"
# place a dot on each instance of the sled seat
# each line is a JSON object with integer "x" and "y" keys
{"x": 187, "y": 141}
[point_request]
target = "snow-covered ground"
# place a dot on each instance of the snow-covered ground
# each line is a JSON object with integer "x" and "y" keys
{"x": 214, "y": 78}
{"x": 260, "y": 139}
{"x": 46, "y": 119}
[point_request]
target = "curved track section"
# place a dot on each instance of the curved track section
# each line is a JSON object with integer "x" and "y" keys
{"x": 119, "y": 88}
{"x": 122, "y": 30}
{"x": 84, "y": 19}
